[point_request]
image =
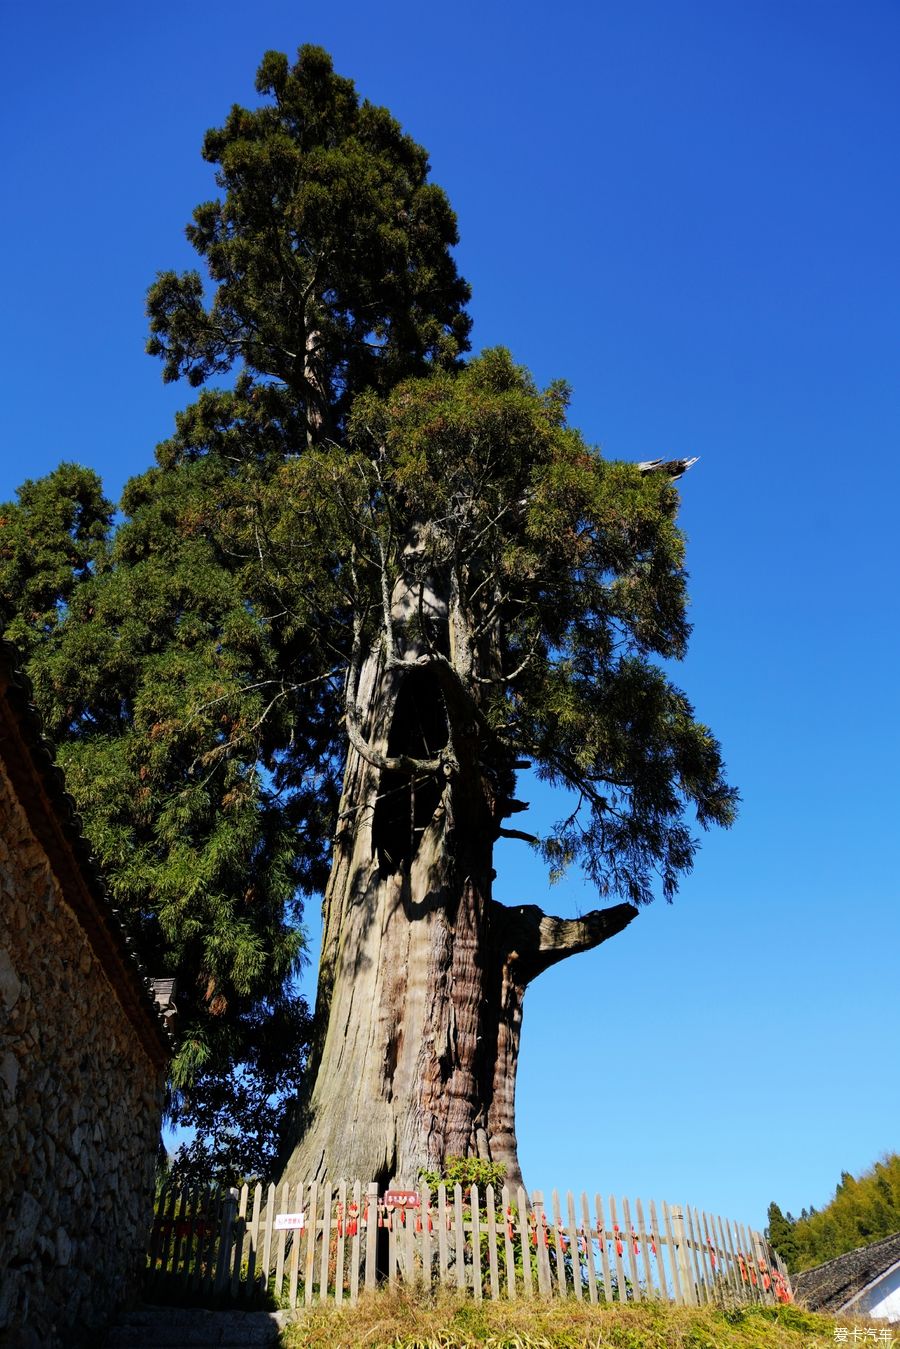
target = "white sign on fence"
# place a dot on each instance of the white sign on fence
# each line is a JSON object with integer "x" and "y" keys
{"x": 288, "y": 1222}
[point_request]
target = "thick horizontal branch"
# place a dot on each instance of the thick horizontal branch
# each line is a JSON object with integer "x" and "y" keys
{"x": 392, "y": 763}
{"x": 537, "y": 940}
{"x": 519, "y": 834}
{"x": 672, "y": 468}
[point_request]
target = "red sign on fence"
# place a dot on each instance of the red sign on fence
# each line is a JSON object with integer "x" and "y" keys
{"x": 401, "y": 1199}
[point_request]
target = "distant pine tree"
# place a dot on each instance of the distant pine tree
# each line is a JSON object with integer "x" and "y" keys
{"x": 864, "y": 1209}
{"x": 780, "y": 1232}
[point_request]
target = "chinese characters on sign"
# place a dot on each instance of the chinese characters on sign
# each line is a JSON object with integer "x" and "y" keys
{"x": 289, "y": 1222}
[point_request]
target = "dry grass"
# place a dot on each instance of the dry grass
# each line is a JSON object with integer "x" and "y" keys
{"x": 405, "y": 1319}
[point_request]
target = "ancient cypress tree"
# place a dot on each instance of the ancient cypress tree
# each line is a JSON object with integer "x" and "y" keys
{"x": 361, "y": 591}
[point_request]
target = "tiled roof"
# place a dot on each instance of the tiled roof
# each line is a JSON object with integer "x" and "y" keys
{"x": 830, "y": 1286}
{"x": 41, "y": 788}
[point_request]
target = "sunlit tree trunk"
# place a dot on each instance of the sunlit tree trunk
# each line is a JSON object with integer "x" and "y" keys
{"x": 422, "y": 973}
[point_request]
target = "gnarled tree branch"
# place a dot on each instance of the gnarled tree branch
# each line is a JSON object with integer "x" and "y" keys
{"x": 535, "y": 940}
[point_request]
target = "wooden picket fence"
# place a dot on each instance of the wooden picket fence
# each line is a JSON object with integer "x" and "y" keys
{"x": 248, "y": 1246}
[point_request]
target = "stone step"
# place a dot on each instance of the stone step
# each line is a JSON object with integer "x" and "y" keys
{"x": 194, "y": 1328}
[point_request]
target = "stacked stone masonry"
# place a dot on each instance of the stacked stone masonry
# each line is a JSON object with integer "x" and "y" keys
{"x": 80, "y": 1102}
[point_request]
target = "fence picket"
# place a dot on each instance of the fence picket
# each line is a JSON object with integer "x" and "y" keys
{"x": 205, "y": 1226}
{"x": 425, "y": 1212}
{"x": 587, "y": 1237}
{"x": 169, "y": 1235}
{"x": 621, "y": 1285}
{"x": 236, "y": 1260}
{"x": 282, "y": 1237}
{"x": 673, "y": 1257}
{"x": 657, "y": 1240}
{"x": 733, "y": 1281}
{"x": 459, "y": 1237}
{"x": 355, "y": 1211}
{"x": 296, "y": 1241}
{"x": 762, "y": 1267}
{"x": 542, "y": 1253}
{"x": 178, "y": 1220}
{"x": 339, "y": 1243}
{"x": 524, "y": 1240}
{"x": 371, "y": 1221}
{"x": 253, "y": 1246}
{"x": 748, "y": 1273}
{"x": 442, "y": 1234}
{"x": 268, "y": 1231}
{"x": 712, "y": 1256}
{"x": 187, "y": 1223}
{"x": 326, "y": 1242}
{"x": 735, "y": 1263}
{"x": 156, "y": 1233}
{"x": 309, "y": 1268}
{"x": 702, "y": 1283}
{"x": 409, "y": 1243}
{"x": 213, "y": 1206}
{"x": 226, "y": 1231}
{"x": 169, "y": 1238}
{"x": 240, "y": 1228}
{"x": 476, "y": 1242}
{"x": 559, "y": 1248}
{"x": 604, "y": 1253}
{"x": 509, "y": 1257}
{"x": 649, "y": 1292}
{"x": 390, "y": 1220}
{"x": 492, "y": 1243}
{"x": 631, "y": 1241}
{"x": 218, "y": 1220}
{"x": 574, "y": 1245}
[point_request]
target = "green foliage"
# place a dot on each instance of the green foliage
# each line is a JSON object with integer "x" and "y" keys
{"x": 467, "y": 1171}
{"x": 236, "y": 1112}
{"x": 863, "y": 1210}
{"x": 192, "y": 664}
{"x": 196, "y": 725}
{"x": 52, "y": 538}
{"x": 780, "y": 1232}
{"x": 570, "y": 576}
{"x": 329, "y": 252}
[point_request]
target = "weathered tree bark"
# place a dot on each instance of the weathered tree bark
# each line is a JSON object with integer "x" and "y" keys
{"x": 422, "y": 975}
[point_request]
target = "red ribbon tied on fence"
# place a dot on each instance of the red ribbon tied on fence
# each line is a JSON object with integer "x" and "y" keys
{"x": 634, "y": 1242}
{"x": 712, "y": 1253}
{"x": 653, "y": 1243}
{"x": 781, "y": 1290}
{"x": 743, "y": 1266}
{"x": 619, "y": 1246}
{"x": 509, "y": 1224}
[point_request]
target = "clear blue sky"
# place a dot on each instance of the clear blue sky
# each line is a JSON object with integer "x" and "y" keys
{"x": 689, "y": 211}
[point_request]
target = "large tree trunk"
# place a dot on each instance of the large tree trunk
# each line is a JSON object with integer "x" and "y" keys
{"x": 422, "y": 973}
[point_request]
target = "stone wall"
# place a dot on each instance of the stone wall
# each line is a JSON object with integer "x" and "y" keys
{"x": 81, "y": 1092}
